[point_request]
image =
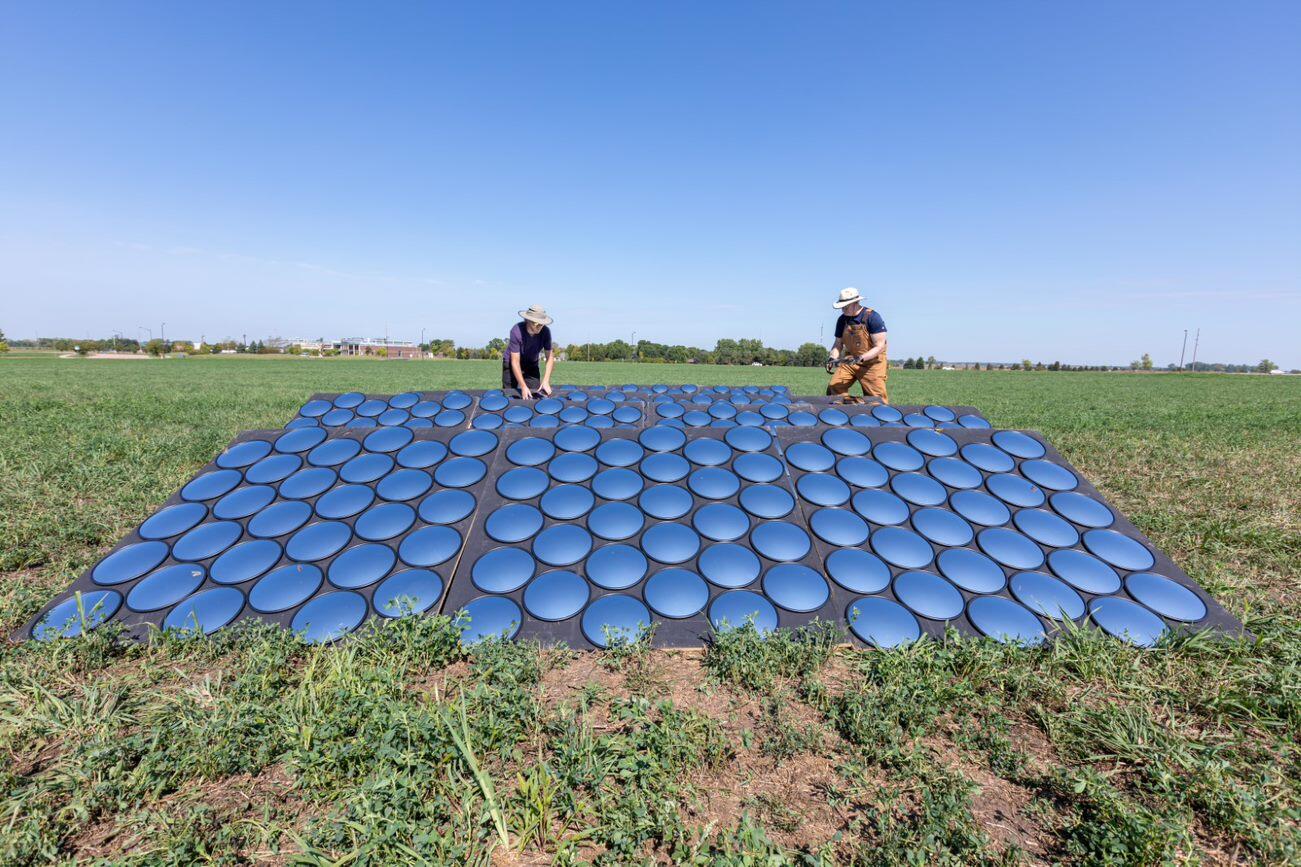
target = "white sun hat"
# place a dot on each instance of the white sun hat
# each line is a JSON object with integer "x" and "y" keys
{"x": 847, "y": 297}
{"x": 537, "y": 313}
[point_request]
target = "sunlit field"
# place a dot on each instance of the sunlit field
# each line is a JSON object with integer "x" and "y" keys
{"x": 400, "y": 746}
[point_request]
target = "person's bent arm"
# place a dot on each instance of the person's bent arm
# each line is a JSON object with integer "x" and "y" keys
{"x": 878, "y": 346}
{"x": 835, "y": 348}
{"x": 545, "y": 385}
{"x": 519, "y": 376}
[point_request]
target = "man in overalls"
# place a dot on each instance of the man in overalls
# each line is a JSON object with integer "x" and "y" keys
{"x": 861, "y": 335}
{"x": 529, "y": 341}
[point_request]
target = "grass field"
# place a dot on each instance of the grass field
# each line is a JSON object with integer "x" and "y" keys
{"x": 401, "y": 747}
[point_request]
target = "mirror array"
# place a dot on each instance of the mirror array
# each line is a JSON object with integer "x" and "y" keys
{"x": 990, "y": 532}
{"x": 577, "y": 523}
{"x": 313, "y": 529}
{"x": 587, "y": 537}
{"x": 411, "y": 409}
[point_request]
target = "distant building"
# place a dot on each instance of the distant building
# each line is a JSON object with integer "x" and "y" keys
{"x": 359, "y": 346}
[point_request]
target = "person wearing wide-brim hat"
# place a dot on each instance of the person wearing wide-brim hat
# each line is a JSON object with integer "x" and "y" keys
{"x": 861, "y": 336}
{"x": 529, "y": 339}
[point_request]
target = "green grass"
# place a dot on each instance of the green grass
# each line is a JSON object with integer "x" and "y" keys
{"x": 401, "y": 747}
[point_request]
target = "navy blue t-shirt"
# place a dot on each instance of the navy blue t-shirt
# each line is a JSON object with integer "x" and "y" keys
{"x": 875, "y": 324}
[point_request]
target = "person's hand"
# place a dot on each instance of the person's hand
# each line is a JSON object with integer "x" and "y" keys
{"x": 524, "y": 392}
{"x": 862, "y": 359}
{"x": 545, "y": 387}
{"x": 832, "y": 364}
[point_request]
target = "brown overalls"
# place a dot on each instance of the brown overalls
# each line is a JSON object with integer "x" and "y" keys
{"x": 871, "y": 376}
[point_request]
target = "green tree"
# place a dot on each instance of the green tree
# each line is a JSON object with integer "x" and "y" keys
{"x": 1265, "y": 365}
{"x": 1026, "y": 365}
{"x": 156, "y": 348}
{"x": 810, "y": 355}
{"x": 1146, "y": 362}
{"x": 4, "y": 344}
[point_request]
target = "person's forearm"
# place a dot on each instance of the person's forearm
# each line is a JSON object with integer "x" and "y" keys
{"x": 551, "y": 363}
{"x": 835, "y": 348}
{"x": 515, "y": 369}
{"x": 873, "y": 352}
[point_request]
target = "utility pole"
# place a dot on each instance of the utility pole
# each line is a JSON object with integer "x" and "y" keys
{"x": 634, "y": 346}
{"x": 1182, "y": 349}
{"x": 1196, "y": 340}
{"x": 163, "y": 332}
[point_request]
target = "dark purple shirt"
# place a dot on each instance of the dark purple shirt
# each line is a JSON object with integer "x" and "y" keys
{"x": 528, "y": 345}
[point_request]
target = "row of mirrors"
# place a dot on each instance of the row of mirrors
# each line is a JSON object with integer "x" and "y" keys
{"x": 627, "y": 407}
{"x": 591, "y": 534}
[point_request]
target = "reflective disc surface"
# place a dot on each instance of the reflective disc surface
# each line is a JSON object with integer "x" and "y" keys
{"x": 676, "y": 593}
{"x": 556, "y": 595}
{"x": 882, "y": 623}
{"x": 1004, "y": 620}
{"x": 929, "y": 595}
{"x": 795, "y": 587}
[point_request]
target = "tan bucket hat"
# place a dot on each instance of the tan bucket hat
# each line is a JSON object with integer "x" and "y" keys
{"x": 847, "y": 297}
{"x": 537, "y": 313}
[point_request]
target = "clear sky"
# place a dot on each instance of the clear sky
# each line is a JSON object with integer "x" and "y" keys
{"x": 1075, "y": 182}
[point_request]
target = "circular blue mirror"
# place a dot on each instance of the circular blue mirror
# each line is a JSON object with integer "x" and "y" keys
{"x": 616, "y": 521}
{"x": 567, "y": 502}
{"x": 929, "y": 595}
{"x": 676, "y": 593}
{"x": 1083, "y": 510}
{"x": 165, "y": 587}
{"x": 404, "y": 485}
{"x": 780, "y": 541}
{"x": 577, "y": 439}
{"x": 318, "y": 541}
{"x": 796, "y": 587}
{"x": 1010, "y": 548}
{"x": 503, "y": 570}
{"x": 942, "y": 527}
{"x": 714, "y": 483}
{"x": 980, "y": 508}
{"x": 361, "y": 566}
{"x": 384, "y": 521}
{"x": 850, "y": 443}
{"x": 665, "y": 467}
{"x": 1004, "y": 621}
{"x": 880, "y": 507}
{"x": 838, "y": 527}
{"x": 1164, "y": 596}
{"x": 489, "y": 617}
{"x": 858, "y": 571}
{"x": 522, "y": 483}
{"x": 898, "y": 456}
{"x": 720, "y": 522}
{"x": 1018, "y": 444}
{"x": 210, "y": 485}
{"x": 616, "y": 567}
{"x": 1084, "y": 571}
{"x": 271, "y": 469}
{"x": 79, "y": 613}
{"x": 729, "y": 565}
{"x": 758, "y": 468}
{"x": 344, "y": 501}
{"x": 299, "y": 440}
{"x": 446, "y": 507}
{"x": 662, "y": 439}
{"x": 204, "y": 541}
{"x": 767, "y": 501}
{"x": 1049, "y": 475}
{"x": 556, "y": 595}
{"x": 670, "y": 543}
{"x": 1044, "y": 594}
{"x": 882, "y": 623}
{"x": 919, "y": 489}
{"x": 988, "y": 458}
{"x": 1046, "y": 528}
{"x": 1015, "y": 490}
{"x": 172, "y": 520}
{"x": 955, "y": 473}
{"x": 330, "y": 617}
{"x": 821, "y": 489}
{"x": 739, "y": 608}
{"x": 708, "y": 453}
{"x": 279, "y": 519}
{"x": 245, "y": 561}
{"x": 666, "y": 502}
{"x": 1127, "y": 620}
{"x": 971, "y": 570}
{"x": 206, "y": 611}
{"x": 243, "y": 454}
{"x": 460, "y": 472}
{"x": 421, "y": 455}
{"x": 429, "y": 546}
{"x": 362, "y": 469}
{"x": 285, "y": 587}
{"x": 615, "y": 620}
{"x": 1117, "y": 549}
{"x": 932, "y": 443}
{"x": 902, "y": 548}
{"x": 513, "y": 523}
{"x": 530, "y": 452}
{"x": 333, "y": 452}
{"x": 810, "y": 457}
{"x": 862, "y": 472}
{"x": 617, "y": 484}
{"x": 472, "y": 443}
{"x": 572, "y": 467}
{"x": 562, "y": 545}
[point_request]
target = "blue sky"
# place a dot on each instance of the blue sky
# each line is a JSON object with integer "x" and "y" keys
{"x": 1001, "y": 180}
